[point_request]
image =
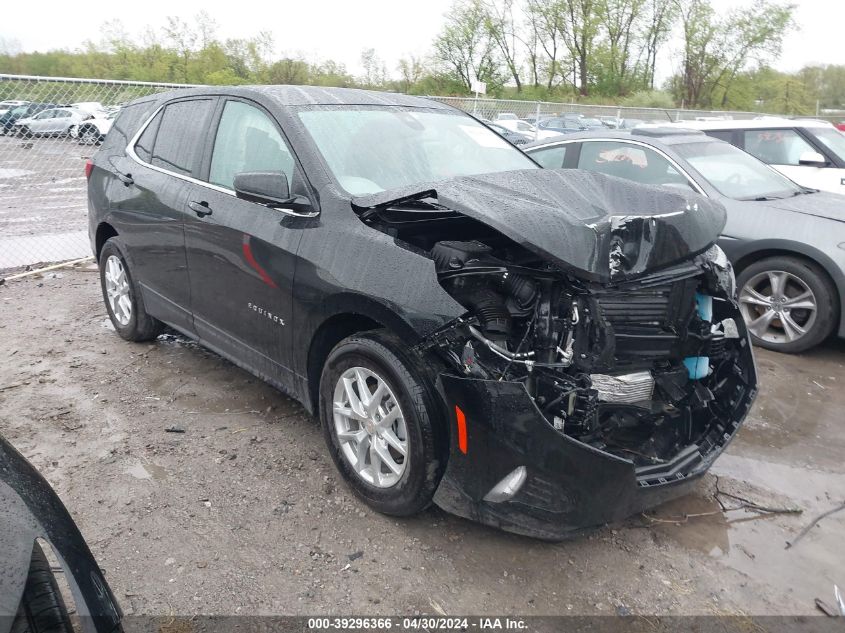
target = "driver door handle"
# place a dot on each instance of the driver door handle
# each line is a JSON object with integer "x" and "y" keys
{"x": 200, "y": 208}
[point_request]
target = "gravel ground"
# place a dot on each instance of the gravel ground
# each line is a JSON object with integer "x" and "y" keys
{"x": 243, "y": 513}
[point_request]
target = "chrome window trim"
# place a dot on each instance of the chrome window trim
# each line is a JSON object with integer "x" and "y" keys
{"x": 697, "y": 188}
{"x": 130, "y": 151}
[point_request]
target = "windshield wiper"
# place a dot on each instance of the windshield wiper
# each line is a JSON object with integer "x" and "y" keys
{"x": 760, "y": 198}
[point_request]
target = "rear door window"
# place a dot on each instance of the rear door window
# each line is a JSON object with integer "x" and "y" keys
{"x": 181, "y": 134}
{"x": 776, "y": 147}
{"x": 247, "y": 140}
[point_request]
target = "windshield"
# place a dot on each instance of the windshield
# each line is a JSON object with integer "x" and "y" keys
{"x": 833, "y": 140}
{"x": 19, "y": 111}
{"x": 735, "y": 174}
{"x": 369, "y": 150}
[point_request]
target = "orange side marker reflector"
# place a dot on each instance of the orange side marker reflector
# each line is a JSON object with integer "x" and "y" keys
{"x": 462, "y": 430}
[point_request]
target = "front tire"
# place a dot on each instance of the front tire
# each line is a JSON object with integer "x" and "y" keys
{"x": 788, "y": 304}
{"x": 123, "y": 298}
{"x": 382, "y": 422}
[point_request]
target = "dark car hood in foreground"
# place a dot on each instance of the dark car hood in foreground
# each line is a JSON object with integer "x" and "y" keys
{"x": 820, "y": 204}
{"x": 598, "y": 227}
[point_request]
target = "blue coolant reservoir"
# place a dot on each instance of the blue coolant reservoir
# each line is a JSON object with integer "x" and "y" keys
{"x": 699, "y": 366}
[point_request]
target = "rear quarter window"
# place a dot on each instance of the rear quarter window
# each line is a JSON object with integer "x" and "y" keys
{"x": 126, "y": 125}
{"x": 144, "y": 145}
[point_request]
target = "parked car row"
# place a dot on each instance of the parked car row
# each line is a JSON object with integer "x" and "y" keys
{"x": 87, "y": 121}
{"x": 527, "y": 129}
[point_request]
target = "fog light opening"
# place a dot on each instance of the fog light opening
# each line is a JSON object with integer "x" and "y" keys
{"x": 508, "y": 486}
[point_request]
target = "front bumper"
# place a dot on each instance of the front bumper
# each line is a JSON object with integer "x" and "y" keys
{"x": 570, "y": 486}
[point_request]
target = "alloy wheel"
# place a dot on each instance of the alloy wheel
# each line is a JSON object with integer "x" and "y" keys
{"x": 117, "y": 290}
{"x": 370, "y": 427}
{"x": 778, "y": 307}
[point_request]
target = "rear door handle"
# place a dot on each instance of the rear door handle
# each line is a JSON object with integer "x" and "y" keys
{"x": 200, "y": 208}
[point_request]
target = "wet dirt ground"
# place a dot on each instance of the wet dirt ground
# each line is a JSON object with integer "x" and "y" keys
{"x": 243, "y": 513}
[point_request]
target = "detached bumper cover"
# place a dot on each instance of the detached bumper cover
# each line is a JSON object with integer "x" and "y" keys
{"x": 570, "y": 486}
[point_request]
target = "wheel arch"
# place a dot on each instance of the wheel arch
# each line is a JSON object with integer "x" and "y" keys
{"x": 342, "y": 316}
{"x": 105, "y": 231}
{"x": 783, "y": 248}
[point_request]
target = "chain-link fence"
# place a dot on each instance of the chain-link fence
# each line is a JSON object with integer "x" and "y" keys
{"x": 50, "y": 126}
{"x": 610, "y": 116}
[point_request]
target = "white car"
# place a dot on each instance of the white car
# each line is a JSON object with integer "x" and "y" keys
{"x": 52, "y": 122}
{"x": 524, "y": 127}
{"x": 94, "y": 130}
{"x": 94, "y": 108}
{"x": 5, "y": 106}
{"x": 810, "y": 152}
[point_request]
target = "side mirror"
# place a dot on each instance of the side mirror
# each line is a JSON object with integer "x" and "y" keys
{"x": 264, "y": 187}
{"x": 812, "y": 159}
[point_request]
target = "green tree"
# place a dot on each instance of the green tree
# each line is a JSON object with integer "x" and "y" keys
{"x": 717, "y": 50}
{"x": 502, "y": 29}
{"x": 546, "y": 19}
{"x": 619, "y": 21}
{"x": 660, "y": 17}
{"x": 375, "y": 72}
{"x": 580, "y": 31}
{"x": 411, "y": 71}
{"x": 465, "y": 46}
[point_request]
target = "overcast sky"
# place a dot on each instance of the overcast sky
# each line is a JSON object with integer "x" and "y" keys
{"x": 339, "y": 30}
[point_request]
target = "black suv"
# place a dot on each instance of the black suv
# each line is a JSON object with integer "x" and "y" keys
{"x": 540, "y": 350}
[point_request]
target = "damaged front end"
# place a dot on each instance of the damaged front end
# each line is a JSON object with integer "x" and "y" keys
{"x": 580, "y": 391}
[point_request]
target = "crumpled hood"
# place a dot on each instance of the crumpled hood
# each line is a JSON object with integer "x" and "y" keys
{"x": 598, "y": 227}
{"x": 821, "y": 205}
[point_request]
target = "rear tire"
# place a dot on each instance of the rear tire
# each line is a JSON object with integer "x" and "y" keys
{"x": 792, "y": 328}
{"x": 383, "y": 357}
{"x": 123, "y": 298}
{"x": 42, "y": 609}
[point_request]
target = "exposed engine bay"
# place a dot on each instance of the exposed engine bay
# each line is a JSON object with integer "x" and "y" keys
{"x": 643, "y": 367}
